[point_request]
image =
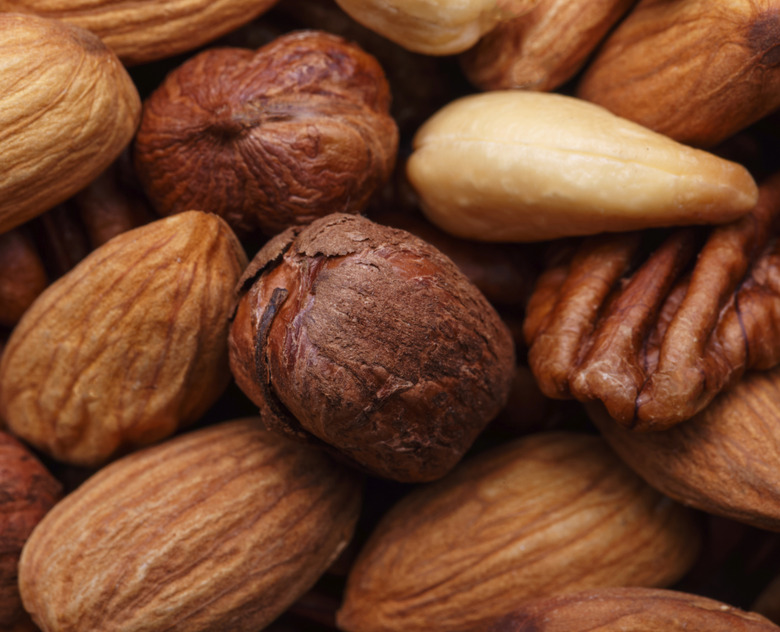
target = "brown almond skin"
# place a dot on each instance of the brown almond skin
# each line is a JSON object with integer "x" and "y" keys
{"x": 630, "y": 610}
{"x": 724, "y": 460}
{"x": 270, "y": 138}
{"x": 27, "y": 492}
{"x": 129, "y": 345}
{"x": 368, "y": 340}
{"x": 145, "y": 30}
{"x": 67, "y": 112}
{"x": 692, "y": 70}
{"x": 218, "y": 529}
{"x": 550, "y": 513}
{"x": 22, "y": 275}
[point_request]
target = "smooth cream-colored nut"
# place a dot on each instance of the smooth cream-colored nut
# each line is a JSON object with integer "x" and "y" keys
{"x": 526, "y": 166}
{"x": 434, "y": 27}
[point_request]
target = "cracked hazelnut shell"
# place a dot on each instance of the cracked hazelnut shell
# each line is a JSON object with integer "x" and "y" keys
{"x": 367, "y": 339}
{"x": 270, "y": 138}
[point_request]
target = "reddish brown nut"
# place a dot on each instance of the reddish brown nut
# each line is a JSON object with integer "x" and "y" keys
{"x": 657, "y": 337}
{"x": 22, "y": 275}
{"x": 27, "y": 492}
{"x": 368, "y": 339}
{"x": 269, "y": 138}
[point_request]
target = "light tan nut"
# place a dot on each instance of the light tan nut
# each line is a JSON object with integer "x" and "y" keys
{"x": 129, "y": 345}
{"x": 145, "y": 30}
{"x": 526, "y": 166}
{"x": 550, "y": 513}
{"x": 219, "y": 529}
{"x": 434, "y": 27}
{"x": 67, "y": 109}
{"x": 695, "y": 70}
{"x": 543, "y": 48}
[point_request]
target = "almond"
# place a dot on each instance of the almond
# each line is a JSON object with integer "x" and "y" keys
{"x": 546, "y": 514}
{"x": 129, "y": 345}
{"x": 219, "y": 529}
{"x": 67, "y": 109}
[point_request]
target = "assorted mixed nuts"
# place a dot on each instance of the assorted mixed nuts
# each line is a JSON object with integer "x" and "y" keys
{"x": 330, "y": 315}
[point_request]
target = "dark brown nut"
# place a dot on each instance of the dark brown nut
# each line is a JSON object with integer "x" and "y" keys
{"x": 543, "y": 48}
{"x": 689, "y": 69}
{"x": 27, "y": 492}
{"x": 657, "y": 341}
{"x": 547, "y": 514}
{"x": 220, "y": 529}
{"x": 723, "y": 461}
{"x": 22, "y": 275}
{"x": 144, "y": 30}
{"x": 630, "y": 610}
{"x": 272, "y": 138}
{"x": 368, "y": 339}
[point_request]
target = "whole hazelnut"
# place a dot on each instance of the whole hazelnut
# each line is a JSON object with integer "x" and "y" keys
{"x": 369, "y": 340}
{"x": 269, "y": 138}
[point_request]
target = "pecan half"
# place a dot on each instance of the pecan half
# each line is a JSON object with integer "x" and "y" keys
{"x": 656, "y": 337}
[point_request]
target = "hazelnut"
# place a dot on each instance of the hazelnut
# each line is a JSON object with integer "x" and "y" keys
{"x": 269, "y": 139}
{"x": 368, "y": 339}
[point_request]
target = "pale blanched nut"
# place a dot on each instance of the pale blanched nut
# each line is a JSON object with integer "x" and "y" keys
{"x": 543, "y": 48}
{"x": 526, "y": 166}
{"x": 547, "y": 514}
{"x": 128, "y": 346}
{"x": 67, "y": 110}
{"x": 145, "y": 30}
{"x": 434, "y": 27}
{"x": 215, "y": 530}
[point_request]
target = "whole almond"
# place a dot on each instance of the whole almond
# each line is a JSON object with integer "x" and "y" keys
{"x": 693, "y": 70}
{"x": 630, "y": 610}
{"x": 724, "y": 460}
{"x": 515, "y": 165}
{"x": 145, "y": 30}
{"x": 546, "y": 514}
{"x": 67, "y": 109}
{"x": 129, "y": 345}
{"x": 219, "y": 529}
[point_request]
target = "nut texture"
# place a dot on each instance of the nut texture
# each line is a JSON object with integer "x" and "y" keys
{"x": 68, "y": 109}
{"x": 272, "y": 138}
{"x": 370, "y": 340}
{"x": 657, "y": 336}
{"x": 219, "y": 529}
{"x": 631, "y": 610}
{"x": 524, "y": 166}
{"x": 129, "y": 345}
{"x": 22, "y": 275}
{"x": 547, "y": 514}
{"x": 543, "y": 48}
{"x": 694, "y": 71}
{"x": 27, "y": 492}
{"x": 145, "y": 30}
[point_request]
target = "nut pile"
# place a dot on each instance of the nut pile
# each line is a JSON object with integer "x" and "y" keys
{"x": 390, "y": 315}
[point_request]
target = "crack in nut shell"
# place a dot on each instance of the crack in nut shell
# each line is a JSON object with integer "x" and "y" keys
{"x": 270, "y": 138}
{"x": 657, "y": 341}
{"x": 367, "y": 339}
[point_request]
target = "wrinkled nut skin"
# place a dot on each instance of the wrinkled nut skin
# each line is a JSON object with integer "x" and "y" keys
{"x": 543, "y": 48}
{"x": 368, "y": 339}
{"x": 218, "y": 529}
{"x": 269, "y": 139}
{"x": 437, "y": 27}
{"x": 546, "y": 514}
{"x": 27, "y": 492}
{"x": 129, "y": 345}
{"x": 694, "y": 71}
{"x": 22, "y": 275}
{"x": 630, "y": 610}
{"x": 145, "y": 30}
{"x": 69, "y": 111}
{"x": 656, "y": 325}
{"x": 516, "y": 165}
{"x": 723, "y": 461}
